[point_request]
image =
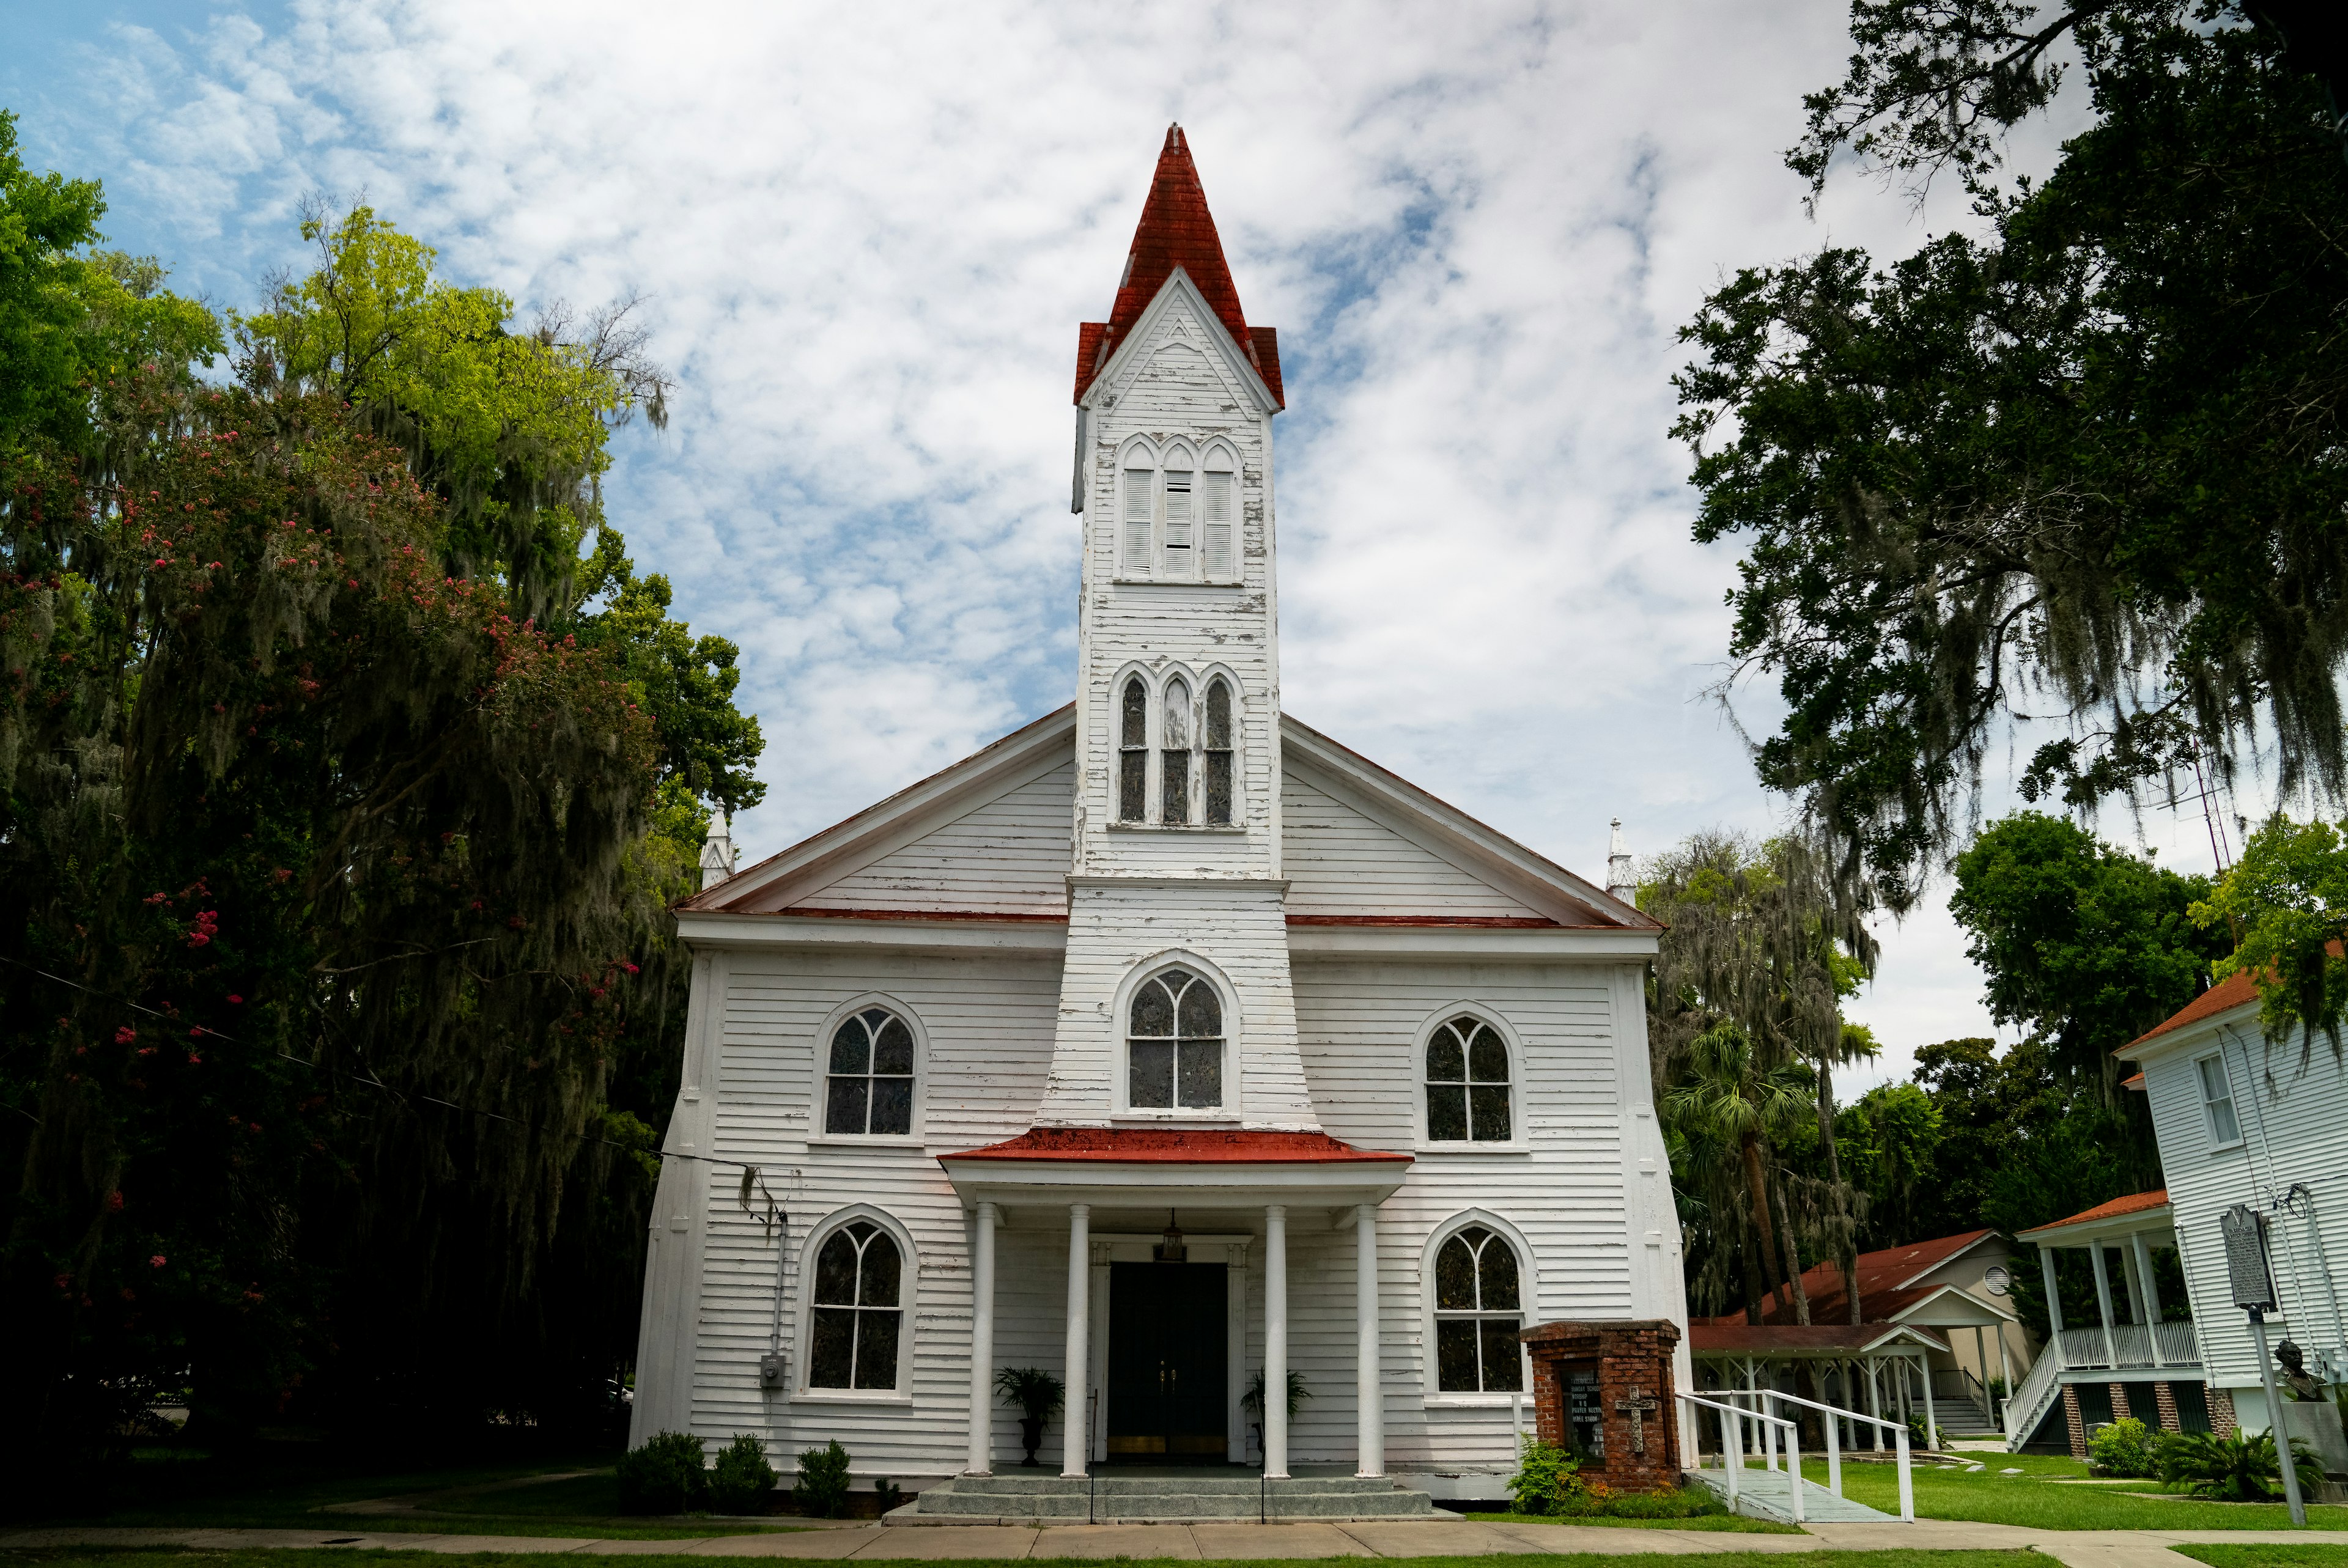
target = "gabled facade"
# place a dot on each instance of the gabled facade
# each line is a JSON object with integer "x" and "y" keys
{"x": 1163, "y": 1045}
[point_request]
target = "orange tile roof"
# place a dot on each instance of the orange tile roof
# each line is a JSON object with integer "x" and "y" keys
{"x": 2135, "y": 1203}
{"x": 1721, "y": 1335}
{"x": 2224, "y": 997}
{"x": 1884, "y": 1277}
{"x": 1176, "y": 230}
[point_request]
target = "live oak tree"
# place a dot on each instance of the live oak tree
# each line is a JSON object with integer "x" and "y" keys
{"x": 346, "y": 771}
{"x": 2084, "y": 468}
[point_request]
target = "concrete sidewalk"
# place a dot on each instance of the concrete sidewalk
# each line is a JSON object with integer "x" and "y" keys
{"x": 1445, "y": 1538}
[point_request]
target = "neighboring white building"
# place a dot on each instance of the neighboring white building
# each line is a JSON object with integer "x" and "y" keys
{"x": 1163, "y": 958}
{"x": 2241, "y": 1122}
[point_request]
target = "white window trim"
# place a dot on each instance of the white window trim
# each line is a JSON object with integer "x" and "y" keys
{"x": 1182, "y": 456}
{"x": 820, "y": 1093}
{"x": 1215, "y": 454}
{"x": 1528, "y": 1296}
{"x": 909, "y": 1281}
{"x": 1156, "y": 683}
{"x": 1519, "y": 1143}
{"x": 1137, "y": 455}
{"x": 1218, "y": 456}
{"x": 2215, "y": 1144}
{"x": 1121, "y": 1082}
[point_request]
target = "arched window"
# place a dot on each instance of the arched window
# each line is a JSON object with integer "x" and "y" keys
{"x": 1181, "y": 557}
{"x": 1174, "y": 1045}
{"x": 858, "y": 1314}
{"x": 1141, "y": 508}
{"x": 1468, "y": 1083}
{"x": 1218, "y": 750}
{"x": 1218, "y": 508}
{"x": 1174, "y": 762}
{"x": 1478, "y": 1313}
{"x": 1133, "y": 752}
{"x": 869, "y": 1084}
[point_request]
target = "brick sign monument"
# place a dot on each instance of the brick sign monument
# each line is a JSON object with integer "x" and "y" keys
{"x": 1604, "y": 1390}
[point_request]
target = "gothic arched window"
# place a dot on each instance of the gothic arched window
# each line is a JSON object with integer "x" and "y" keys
{"x": 1141, "y": 507}
{"x": 1174, "y": 759}
{"x": 1218, "y": 510}
{"x": 1218, "y": 751}
{"x": 1478, "y": 1313}
{"x": 1133, "y": 752}
{"x": 858, "y": 1314}
{"x": 1468, "y": 1083}
{"x": 1180, "y": 555}
{"x": 1174, "y": 1043}
{"x": 869, "y": 1087}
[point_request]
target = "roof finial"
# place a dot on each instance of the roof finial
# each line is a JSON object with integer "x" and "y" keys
{"x": 1618, "y": 883}
{"x": 716, "y": 851}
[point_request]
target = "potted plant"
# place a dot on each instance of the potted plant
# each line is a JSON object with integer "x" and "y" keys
{"x": 1252, "y": 1400}
{"x": 1038, "y": 1394}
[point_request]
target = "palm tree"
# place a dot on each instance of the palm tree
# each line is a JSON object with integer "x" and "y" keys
{"x": 1728, "y": 1096}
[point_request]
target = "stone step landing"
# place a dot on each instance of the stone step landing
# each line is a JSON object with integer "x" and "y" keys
{"x": 1162, "y": 1499}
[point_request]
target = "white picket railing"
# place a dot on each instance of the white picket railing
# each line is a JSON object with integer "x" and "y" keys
{"x": 2131, "y": 1344}
{"x": 1731, "y": 1446}
{"x": 1763, "y": 1415}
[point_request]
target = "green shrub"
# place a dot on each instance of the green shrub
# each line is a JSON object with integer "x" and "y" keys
{"x": 664, "y": 1476}
{"x": 2234, "y": 1469}
{"x": 1680, "y": 1503}
{"x": 891, "y": 1495}
{"x": 2124, "y": 1448}
{"x": 1547, "y": 1475}
{"x": 822, "y": 1488}
{"x": 742, "y": 1480}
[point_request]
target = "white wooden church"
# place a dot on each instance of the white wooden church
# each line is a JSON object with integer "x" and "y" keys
{"x": 1162, "y": 1044}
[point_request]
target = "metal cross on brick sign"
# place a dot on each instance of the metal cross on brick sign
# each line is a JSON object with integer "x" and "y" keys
{"x": 1638, "y": 1407}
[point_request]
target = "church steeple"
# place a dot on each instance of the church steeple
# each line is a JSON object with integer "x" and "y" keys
{"x": 1177, "y": 230}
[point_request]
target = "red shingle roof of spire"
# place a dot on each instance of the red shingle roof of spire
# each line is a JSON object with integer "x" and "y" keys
{"x": 1176, "y": 230}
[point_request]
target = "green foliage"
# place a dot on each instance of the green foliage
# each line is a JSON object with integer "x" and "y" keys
{"x": 2083, "y": 944}
{"x": 822, "y": 1486}
{"x": 2235, "y": 1468}
{"x": 1546, "y": 1476}
{"x": 2124, "y": 1448}
{"x": 741, "y": 1481}
{"x": 1037, "y": 1393}
{"x": 1672, "y": 1502}
{"x": 664, "y": 1476}
{"x": 2288, "y": 899}
{"x": 1252, "y": 1399}
{"x": 2078, "y": 467}
{"x": 891, "y": 1495}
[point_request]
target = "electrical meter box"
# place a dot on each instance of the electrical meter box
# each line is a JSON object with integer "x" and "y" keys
{"x": 771, "y": 1367}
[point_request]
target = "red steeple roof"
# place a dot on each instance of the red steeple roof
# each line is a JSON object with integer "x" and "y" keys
{"x": 1176, "y": 230}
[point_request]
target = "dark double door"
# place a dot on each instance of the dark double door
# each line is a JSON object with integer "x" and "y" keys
{"x": 1167, "y": 1364}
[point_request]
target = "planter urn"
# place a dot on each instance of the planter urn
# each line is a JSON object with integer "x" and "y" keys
{"x": 1031, "y": 1436}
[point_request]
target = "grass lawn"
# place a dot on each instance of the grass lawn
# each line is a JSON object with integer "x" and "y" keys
{"x": 1735, "y": 1523}
{"x": 97, "y": 1558}
{"x": 473, "y": 1500}
{"x": 2267, "y": 1556}
{"x": 2038, "y": 1496}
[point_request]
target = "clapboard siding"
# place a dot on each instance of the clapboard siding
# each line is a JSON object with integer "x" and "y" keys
{"x": 1007, "y": 855}
{"x": 1339, "y": 861}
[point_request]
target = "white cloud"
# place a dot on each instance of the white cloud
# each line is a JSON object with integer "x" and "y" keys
{"x": 866, "y": 237}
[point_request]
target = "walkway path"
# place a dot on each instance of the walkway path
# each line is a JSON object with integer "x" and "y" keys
{"x": 1458, "y": 1537}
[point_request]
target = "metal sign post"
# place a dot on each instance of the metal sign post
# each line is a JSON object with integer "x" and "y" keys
{"x": 2245, "y": 1232}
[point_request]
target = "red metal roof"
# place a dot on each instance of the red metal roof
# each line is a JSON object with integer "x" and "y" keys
{"x": 2135, "y": 1203}
{"x": 1176, "y": 230}
{"x": 1782, "y": 1338}
{"x": 1885, "y": 1278}
{"x": 1171, "y": 1146}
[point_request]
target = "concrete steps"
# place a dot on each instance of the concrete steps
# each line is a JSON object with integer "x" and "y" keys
{"x": 1163, "y": 1498}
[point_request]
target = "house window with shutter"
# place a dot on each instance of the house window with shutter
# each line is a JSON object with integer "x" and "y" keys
{"x": 1133, "y": 752}
{"x": 1180, "y": 559}
{"x": 1215, "y": 510}
{"x": 1174, "y": 760}
{"x": 1140, "y": 487}
{"x": 1218, "y": 751}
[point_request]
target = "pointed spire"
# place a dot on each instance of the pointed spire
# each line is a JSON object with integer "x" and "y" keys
{"x": 1175, "y": 230}
{"x": 716, "y": 851}
{"x": 1620, "y": 884}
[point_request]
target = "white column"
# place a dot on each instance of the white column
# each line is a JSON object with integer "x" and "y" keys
{"x": 1275, "y": 1342}
{"x": 2104, "y": 1303}
{"x": 1932, "y": 1427}
{"x": 1076, "y": 1433}
{"x": 2148, "y": 1302}
{"x": 2004, "y": 1370}
{"x": 2054, "y": 1307}
{"x": 982, "y": 1344}
{"x": 1369, "y": 1392}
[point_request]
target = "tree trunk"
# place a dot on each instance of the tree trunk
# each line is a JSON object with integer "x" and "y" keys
{"x": 1748, "y": 1256}
{"x": 1846, "y": 1251}
{"x": 1793, "y": 1261}
{"x": 1756, "y": 1185}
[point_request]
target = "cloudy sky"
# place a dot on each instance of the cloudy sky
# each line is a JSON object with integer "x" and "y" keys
{"x": 865, "y": 236}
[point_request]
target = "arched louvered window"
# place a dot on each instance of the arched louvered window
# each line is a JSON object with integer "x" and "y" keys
{"x": 1218, "y": 750}
{"x": 1181, "y": 554}
{"x": 859, "y": 1310}
{"x": 869, "y": 1084}
{"x": 1133, "y": 752}
{"x": 1174, "y": 757}
{"x": 1174, "y": 1043}
{"x": 1477, "y": 1313}
{"x": 1218, "y": 513}
{"x": 1140, "y": 507}
{"x": 1468, "y": 1083}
